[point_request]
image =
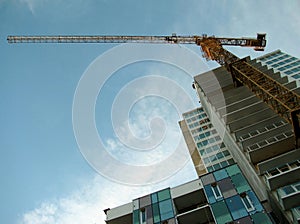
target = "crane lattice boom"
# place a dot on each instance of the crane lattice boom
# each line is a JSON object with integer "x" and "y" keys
{"x": 247, "y": 42}
{"x": 282, "y": 100}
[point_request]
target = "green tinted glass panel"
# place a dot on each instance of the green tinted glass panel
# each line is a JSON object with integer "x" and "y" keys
{"x": 261, "y": 218}
{"x": 221, "y": 212}
{"x": 155, "y": 209}
{"x": 164, "y": 194}
{"x": 166, "y": 209}
{"x": 240, "y": 183}
{"x": 136, "y": 217}
{"x": 233, "y": 170}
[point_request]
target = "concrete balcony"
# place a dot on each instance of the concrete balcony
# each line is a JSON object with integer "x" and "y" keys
{"x": 191, "y": 204}
{"x": 283, "y": 175}
{"x": 120, "y": 215}
{"x": 238, "y": 105}
{"x": 188, "y": 196}
{"x": 244, "y": 111}
{"x": 289, "y": 196}
{"x": 271, "y": 147}
{"x": 266, "y": 132}
{"x": 277, "y": 161}
{"x": 231, "y": 96}
{"x": 296, "y": 215}
{"x": 199, "y": 215}
{"x": 242, "y": 127}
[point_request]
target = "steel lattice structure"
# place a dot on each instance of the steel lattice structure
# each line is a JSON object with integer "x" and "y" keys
{"x": 283, "y": 101}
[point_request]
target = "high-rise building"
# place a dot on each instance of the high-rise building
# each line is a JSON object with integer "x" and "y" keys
{"x": 260, "y": 141}
{"x": 232, "y": 125}
{"x": 284, "y": 63}
{"x": 222, "y": 196}
{"x": 205, "y": 145}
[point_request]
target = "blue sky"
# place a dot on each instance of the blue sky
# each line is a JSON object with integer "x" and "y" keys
{"x": 45, "y": 178}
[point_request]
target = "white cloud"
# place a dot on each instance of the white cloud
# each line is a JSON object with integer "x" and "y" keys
{"x": 32, "y": 4}
{"x": 82, "y": 206}
{"x": 86, "y": 204}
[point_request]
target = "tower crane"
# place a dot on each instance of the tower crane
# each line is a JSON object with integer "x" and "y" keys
{"x": 282, "y": 100}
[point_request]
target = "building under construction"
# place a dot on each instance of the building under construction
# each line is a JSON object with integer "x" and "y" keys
{"x": 244, "y": 154}
{"x": 260, "y": 141}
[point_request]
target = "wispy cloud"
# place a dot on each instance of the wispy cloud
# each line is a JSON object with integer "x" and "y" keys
{"x": 81, "y": 206}
{"x": 86, "y": 204}
{"x": 32, "y": 4}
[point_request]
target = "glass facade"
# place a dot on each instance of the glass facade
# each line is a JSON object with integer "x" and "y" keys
{"x": 153, "y": 208}
{"x": 222, "y": 196}
{"x": 213, "y": 152}
{"x": 231, "y": 197}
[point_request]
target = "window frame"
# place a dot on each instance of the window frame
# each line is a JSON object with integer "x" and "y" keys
{"x": 246, "y": 200}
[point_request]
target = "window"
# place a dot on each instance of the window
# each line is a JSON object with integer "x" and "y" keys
{"x": 297, "y": 186}
{"x": 206, "y": 160}
{"x": 156, "y": 215}
{"x": 164, "y": 194}
{"x": 220, "y": 155}
{"x": 217, "y": 166}
{"x": 216, "y": 191}
{"x": 166, "y": 209}
{"x": 218, "y": 138}
{"x": 209, "y": 150}
{"x": 210, "y": 169}
{"x": 226, "y": 153}
{"x": 224, "y": 163}
{"x": 296, "y": 76}
{"x": 231, "y": 161}
{"x": 247, "y": 202}
{"x": 154, "y": 198}
{"x": 143, "y": 216}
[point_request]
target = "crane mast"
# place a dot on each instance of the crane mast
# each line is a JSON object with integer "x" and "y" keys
{"x": 282, "y": 100}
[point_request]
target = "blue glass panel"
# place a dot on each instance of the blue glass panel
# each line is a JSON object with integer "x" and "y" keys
{"x": 236, "y": 207}
{"x": 255, "y": 202}
{"x": 154, "y": 198}
{"x": 209, "y": 194}
{"x": 166, "y": 209}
